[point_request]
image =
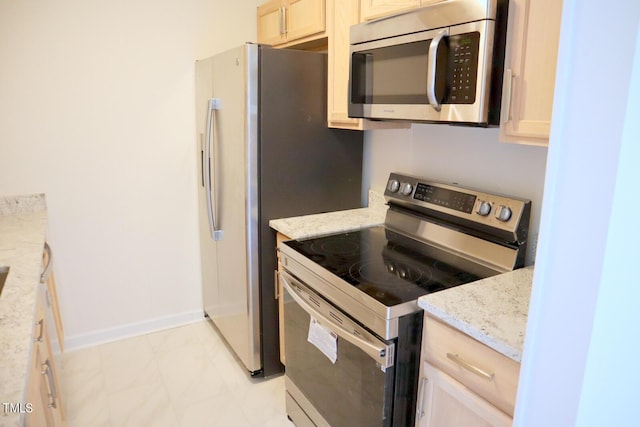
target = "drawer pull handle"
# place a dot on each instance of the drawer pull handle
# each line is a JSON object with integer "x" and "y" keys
{"x": 40, "y": 325}
{"x": 469, "y": 367}
{"x": 51, "y": 387}
{"x": 422, "y": 389}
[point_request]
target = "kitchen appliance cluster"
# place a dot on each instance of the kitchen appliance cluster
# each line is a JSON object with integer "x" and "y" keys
{"x": 352, "y": 324}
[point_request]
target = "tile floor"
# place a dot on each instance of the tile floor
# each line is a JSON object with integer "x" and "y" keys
{"x": 181, "y": 377}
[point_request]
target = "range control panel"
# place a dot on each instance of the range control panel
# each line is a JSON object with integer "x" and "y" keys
{"x": 457, "y": 200}
{"x": 492, "y": 210}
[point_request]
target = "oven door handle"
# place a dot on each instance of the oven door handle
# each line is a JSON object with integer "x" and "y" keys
{"x": 382, "y": 353}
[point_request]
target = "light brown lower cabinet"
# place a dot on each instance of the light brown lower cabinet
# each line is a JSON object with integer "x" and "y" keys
{"x": 463, "y": 383}
{"x": 38, "y": 414}
{"x": 279, "y": 294}
{"x": 43, "y": 387}
{"x": 52, "y": 307}
{"x": 445, "y": 402}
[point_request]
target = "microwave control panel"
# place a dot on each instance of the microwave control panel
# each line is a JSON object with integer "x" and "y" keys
{"x": 462, "y": 68}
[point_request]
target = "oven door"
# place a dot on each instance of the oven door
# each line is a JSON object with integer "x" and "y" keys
{"x": 441, "y": 75}
{"x": 337, "y": 373}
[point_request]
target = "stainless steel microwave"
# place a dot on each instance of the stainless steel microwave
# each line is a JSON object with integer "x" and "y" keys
{"x": 440, "y": 63}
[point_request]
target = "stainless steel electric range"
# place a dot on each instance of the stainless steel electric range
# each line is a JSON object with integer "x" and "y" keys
{"x": 352, "y": 324}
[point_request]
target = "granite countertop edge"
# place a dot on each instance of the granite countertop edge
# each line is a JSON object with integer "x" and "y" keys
{"x": 23, "y": 220}
{"x": 308, "y": 226}
{"x": 493, "y": 311}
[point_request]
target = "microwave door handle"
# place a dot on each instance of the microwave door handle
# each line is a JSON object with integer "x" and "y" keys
{"x": 382, "y": 354}
{"x": 432, "y": 68}
{"x": 214, "y": 104}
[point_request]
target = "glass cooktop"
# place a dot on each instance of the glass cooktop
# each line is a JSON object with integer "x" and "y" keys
{"x": 387, "y": 266}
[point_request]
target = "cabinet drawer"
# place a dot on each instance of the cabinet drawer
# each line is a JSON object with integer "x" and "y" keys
{"x": 488, "y": 373}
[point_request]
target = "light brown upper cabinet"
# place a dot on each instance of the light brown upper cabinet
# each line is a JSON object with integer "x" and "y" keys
{"x": 529, "y": 73}
{"x": 341, "y": 15}
{"x": 320, "y": 25}
{"x": 288, "y": 22}
{"x": 372, "y": 9}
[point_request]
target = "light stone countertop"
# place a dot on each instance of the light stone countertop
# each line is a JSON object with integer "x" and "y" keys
{"x": 307, "y": 226}
{"x": 493, "y": 310}
{"x": 23, "y": 221}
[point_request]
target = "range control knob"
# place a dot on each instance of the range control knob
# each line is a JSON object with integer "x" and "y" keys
{"x": 406, "y": 188}
{"x": 503, "y": 213}
{"x": 393, "y": 185}
{"x": 484, "y": 208}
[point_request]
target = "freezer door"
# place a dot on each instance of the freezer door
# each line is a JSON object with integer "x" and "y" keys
{"x": 233, "y": 167}
{"x": 204, "y": 92}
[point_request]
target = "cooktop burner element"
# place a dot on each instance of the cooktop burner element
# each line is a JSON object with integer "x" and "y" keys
{"x": 374, "y": 261}
{"x": 338, "y": 245}
{"x": 376, "y": 272}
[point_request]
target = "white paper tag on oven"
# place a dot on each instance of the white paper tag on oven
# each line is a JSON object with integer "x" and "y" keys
{"x": 324, "y": 339}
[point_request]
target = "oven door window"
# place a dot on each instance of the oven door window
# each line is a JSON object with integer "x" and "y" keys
{"x": 353, "y": 391}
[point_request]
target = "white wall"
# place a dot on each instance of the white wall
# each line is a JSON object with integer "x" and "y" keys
{"x": 97, "y": 111}
{"x": 612, "y": 353}
{"x": 471, "y": 157}
{"x": 581, "y": 350}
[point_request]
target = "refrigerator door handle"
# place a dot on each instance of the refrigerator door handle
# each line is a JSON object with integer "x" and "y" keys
{"x": 202, "y": 170}
{"x": 214, "y": 104}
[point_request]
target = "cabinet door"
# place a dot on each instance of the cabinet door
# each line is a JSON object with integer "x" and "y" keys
{"x": 372, "y": 9}
{"x": 530, "y": 68}
{"x": 38, "y": 395}
{"x": 483, "y": 370}
{"x": 271, "y": 23}
{"x": 43, "y": 387}
{"x": 444, "y": 402}
{"x": 280, "y": 295}
{"x": 305, "y": 18}
{"x": 51, "y": 300}
{"x": 343, "y": 14}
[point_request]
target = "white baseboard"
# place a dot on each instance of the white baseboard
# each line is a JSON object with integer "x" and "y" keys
{"x": 102, "y": 336}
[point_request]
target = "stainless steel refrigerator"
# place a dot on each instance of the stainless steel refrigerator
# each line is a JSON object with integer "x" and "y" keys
{"x": 264, "y": 152}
